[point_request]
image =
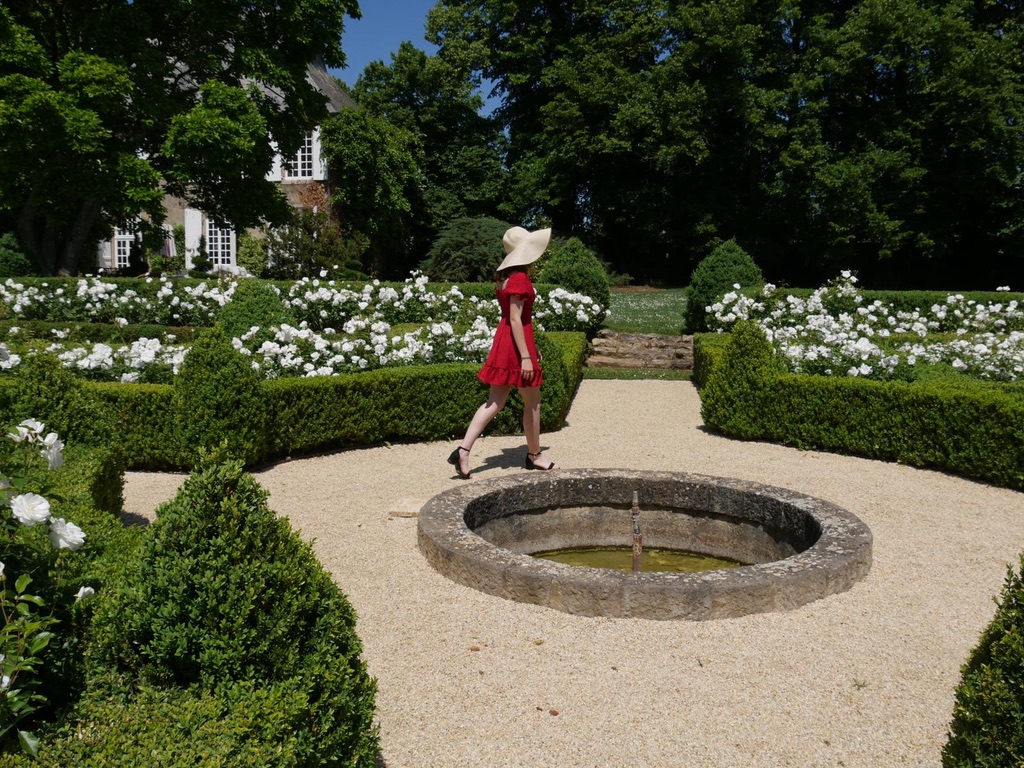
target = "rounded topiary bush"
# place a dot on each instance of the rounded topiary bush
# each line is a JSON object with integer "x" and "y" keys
{"x": 467, "y": 250}
{"x": 726, "y": 266}
{"x": 738, "y": 396}
{"x": 218, "y": 397}
{"x": 224, "y": 592}
{"x": 987, "y": 730}
{"x": 571, "y": 265}
{"x": 255, "y": 303}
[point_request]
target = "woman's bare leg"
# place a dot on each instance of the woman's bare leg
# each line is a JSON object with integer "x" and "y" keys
{"x": 493, "y": 405}
{"x": 531, "y": 424}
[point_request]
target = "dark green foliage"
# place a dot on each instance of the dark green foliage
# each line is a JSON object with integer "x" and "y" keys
{"x": 13, "y": 260}
{"x": 715, "y": 276}
{"x": 47, "y": 391}
{"x": 225, "y": 592}
{"x": 240, "y": 727}
{"x": 738, "y": 399}
{"x": 217, "y": 396}
{"x": 571, "y": 265}
{"x": 468, "y": 249}
{"x": 201, "y": 263}
{"x": 975, "y": 429}
{"x": 987, "y": 730}
{"x": 252, "y": 254}
{"x": 254, "y": 303}
{"x": 311, "y": 243}
{"x": 459, "y": 151}
{"x": 145, "y": 423}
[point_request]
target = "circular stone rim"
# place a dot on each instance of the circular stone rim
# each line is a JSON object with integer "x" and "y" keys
{"x": 839, "y": 558}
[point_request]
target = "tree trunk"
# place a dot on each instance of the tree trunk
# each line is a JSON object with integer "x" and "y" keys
{"x": 77, "y": 238}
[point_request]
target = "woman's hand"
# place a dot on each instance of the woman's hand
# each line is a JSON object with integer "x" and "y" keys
{"x": 527, "y": 369}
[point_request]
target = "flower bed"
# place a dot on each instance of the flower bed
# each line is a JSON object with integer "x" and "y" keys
{"x": 339, "y": 328}
{"x": 839, "y": 331}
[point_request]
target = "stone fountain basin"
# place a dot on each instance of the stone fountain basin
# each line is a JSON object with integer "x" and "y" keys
{"x": 480, "y": 534}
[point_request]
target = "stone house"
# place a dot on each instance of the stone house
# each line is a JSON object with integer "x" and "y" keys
{"x": 304, "y": 179}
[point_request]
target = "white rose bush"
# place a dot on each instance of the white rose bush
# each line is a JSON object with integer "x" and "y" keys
{"x": 26, "y": 630}
{"x": 340, "y": 329}
{"x": 836, "y": 331}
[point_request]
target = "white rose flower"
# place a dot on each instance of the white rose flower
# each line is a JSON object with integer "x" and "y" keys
{"x": 30, "y": 509}
{"x": 84, "y": 592}
{"x": 65, "y": 535}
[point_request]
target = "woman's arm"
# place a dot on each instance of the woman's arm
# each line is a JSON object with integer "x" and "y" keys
{"x": 515, "y": 321}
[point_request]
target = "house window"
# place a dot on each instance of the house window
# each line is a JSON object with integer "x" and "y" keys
{"x": 123, "y": 241}
{"x": 301, "y": 167}
{"x": 220, "y": 244}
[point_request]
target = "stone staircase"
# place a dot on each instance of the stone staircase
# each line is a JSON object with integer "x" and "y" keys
{"x": 612, "y": 349}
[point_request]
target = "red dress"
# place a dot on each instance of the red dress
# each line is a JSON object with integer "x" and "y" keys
{"x": 503, "y": 365}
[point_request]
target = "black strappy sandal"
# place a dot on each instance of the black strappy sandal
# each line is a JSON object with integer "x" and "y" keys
{"x": 453, "y": 459}
{"x": 531, "y": 465}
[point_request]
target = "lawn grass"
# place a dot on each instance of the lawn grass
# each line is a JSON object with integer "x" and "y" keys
{"x": 655, "y": 311}
{"x": 660, "y": 374}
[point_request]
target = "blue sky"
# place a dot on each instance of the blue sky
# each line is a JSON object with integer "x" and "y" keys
{"x": 385, "y": 25}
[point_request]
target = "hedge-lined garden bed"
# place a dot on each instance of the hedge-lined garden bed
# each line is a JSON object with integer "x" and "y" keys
{"x": 213, "y": 636}
{"x": 971, "y": 428}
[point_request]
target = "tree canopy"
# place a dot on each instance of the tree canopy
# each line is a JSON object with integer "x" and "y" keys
{"x": 885, "y": 136}
{"x": 457, "y": 154}
{"x": 105, "y": 108}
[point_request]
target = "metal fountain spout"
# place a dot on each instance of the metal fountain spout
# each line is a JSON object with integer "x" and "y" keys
{"x": 638, "y": 539}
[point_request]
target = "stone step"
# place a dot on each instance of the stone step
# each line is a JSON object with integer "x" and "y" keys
{"x": 613, "y": 349}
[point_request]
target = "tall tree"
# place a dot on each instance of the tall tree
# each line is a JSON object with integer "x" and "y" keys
{"x": 377, "y": 177}
{"x": 105, "y": 107}
{"x": 460, "y": 152}
{"x": 880, "y": 135}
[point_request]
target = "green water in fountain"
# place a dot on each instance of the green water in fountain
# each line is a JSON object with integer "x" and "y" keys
{"x": 621, "y": 558}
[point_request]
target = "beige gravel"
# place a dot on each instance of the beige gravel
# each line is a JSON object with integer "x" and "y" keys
{"x": 865, "y": 678}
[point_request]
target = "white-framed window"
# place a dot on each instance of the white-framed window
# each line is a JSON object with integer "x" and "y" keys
{"x": 124, "y": 239}
{"x": 301, "y": 166}
{"x": 220, "y": 243}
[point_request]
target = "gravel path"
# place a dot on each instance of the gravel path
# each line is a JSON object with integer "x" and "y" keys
{"x": 865, "y": 678}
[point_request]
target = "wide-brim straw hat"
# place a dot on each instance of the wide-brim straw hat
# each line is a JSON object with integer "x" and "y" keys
{"x": 523, "y": 247}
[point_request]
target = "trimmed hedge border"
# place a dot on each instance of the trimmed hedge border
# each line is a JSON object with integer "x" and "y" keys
{"x": 423, "y": 402}
{"x": 974, "y": 430}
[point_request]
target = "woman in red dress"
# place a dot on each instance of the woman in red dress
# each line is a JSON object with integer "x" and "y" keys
{"x": 513, "y": 359}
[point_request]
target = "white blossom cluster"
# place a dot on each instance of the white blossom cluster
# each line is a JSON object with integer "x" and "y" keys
{"x": 341, "y": 330}
{"x": 305, "y": 352}
{"x": 325, "y": 304}
{"x": 94, "y": 300}
{"x": 123, "y": 362}
{"x": 836, "y": 332}
{"x": 29, "y": 508}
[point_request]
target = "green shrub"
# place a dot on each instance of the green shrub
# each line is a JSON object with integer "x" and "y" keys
{"x": 14, "y": 262}
{"x": 987, "y": 730}
{"x": 958, "y": 425}
{"x": 225, "y": 592}
{"x": 468, "y": 249}
{"x": 254, "y": 303}
{"x": 252, "y": 254}
{"x": 201, "y": 263}
{"x": 311, "y": 243}
{"x": 726, "y": 266}
{"x": 573, "y": 266}
{"x": 47, "y": 391}
{"x": 240, "y": 727}
{"x": 738, "y": 398}
{"x": 218, "y": 397}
